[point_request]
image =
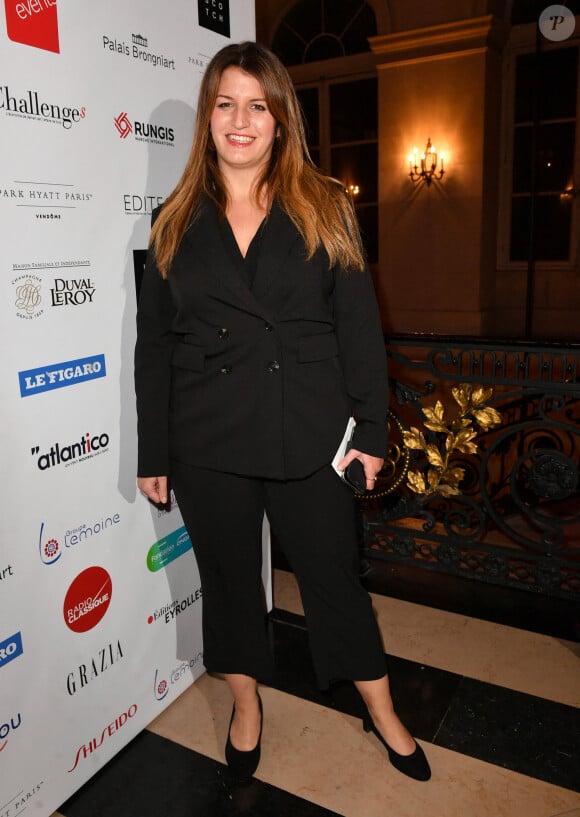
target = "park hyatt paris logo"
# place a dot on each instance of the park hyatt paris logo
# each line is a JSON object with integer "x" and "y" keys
{"x": 32, "y": 106}
{"x": 33, "y": 22}
{"x": 59, "y": 375}
{"x": 86, "y": 448}
{"x": 144, "y": 131}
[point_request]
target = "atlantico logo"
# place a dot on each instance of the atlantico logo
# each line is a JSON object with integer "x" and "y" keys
{"x": 59, "y": 375}
{"x": 33, "y": 22}
{"x": 144, "y": 131}
{"x": 8, "y": 727}
{"x": 87, "y": 599}
{"x": 87, "y": 447}
{"x": 31, "y": 106}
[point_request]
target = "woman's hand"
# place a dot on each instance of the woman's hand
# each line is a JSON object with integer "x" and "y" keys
{"x": 372, "y": 465}
{"x": 154, "y": 488}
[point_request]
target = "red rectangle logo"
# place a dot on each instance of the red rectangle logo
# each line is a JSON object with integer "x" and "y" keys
{"x": 33, "y": 22}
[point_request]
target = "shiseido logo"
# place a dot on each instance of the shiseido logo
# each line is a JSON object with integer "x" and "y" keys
{"x": 33, "y": 22}
{"x": 215, "y": 15}
{"x": 85, "y": 673}
{"x": 31, "y": 106}
{"x": 144, "y": 131}
{"x": 138, "y": 49}
{"x": 90, "y": 445}
{"x": 107, "y": 732}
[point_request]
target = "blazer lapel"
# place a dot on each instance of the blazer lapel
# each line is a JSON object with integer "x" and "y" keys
{"x": 277, "y": 241}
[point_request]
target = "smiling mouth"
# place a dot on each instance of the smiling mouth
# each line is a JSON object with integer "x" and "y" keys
{"x": 239, "y": 139}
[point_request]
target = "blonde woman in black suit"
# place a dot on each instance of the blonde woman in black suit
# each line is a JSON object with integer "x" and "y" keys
{"x": 258, "y": 337}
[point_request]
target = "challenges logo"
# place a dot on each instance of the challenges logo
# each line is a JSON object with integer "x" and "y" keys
{"x": 33, "y": 22}
{"x": 144, "y": 131}
{"x": 87, "y": 599}
{"x": 68, "y": 373}
{"x": 87, "y": 447}
{"x": 31, "y": 106}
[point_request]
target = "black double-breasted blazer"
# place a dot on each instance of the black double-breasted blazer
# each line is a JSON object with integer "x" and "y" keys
{"x": 256, "y": 381}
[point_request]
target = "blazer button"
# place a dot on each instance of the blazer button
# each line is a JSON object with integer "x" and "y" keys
{"x": 226, "y": 370}
{"x": 273, "y": 366}
{"x": 223, "y": 333}
{"x": 268, "y": 327}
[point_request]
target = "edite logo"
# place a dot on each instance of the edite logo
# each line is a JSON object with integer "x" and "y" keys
{"x": 33, "y": 22}
{"x": 87, "y": 599}
{"x": 168, "y": 549}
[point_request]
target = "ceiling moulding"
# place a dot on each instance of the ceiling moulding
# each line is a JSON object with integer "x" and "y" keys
{"x": 444, "y": 41}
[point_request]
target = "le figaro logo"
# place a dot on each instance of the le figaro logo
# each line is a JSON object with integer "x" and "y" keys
{"x": 33, "y": 22}
{"x": 31, "y": 105}
{"x": 153, "y": 133}
{"x": 60, "y": 375}
{"x": 10, "y": 649}
{"x": 89, "y": 446}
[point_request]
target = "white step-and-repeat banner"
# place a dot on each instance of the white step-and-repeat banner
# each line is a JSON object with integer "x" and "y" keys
{"x": 99, "y": 592}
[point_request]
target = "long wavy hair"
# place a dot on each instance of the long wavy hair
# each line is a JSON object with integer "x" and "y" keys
{"x": 317, "y": 205}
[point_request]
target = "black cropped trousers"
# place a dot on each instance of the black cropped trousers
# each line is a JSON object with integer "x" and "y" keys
{"x": 313, "y": 519}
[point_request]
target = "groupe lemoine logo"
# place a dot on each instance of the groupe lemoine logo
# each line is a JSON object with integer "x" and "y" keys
{"x": 33, "y": 23}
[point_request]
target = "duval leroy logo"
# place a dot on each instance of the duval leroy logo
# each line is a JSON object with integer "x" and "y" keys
{"x": 33, "y": 22}
{"x": 59, "y": 375}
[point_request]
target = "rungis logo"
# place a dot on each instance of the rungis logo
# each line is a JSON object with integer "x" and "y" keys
{"x": 123, "y": 125}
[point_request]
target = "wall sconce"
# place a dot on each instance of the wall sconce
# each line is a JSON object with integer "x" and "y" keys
{"x": 425, "y": 166}
{"x": 353, "y": 190}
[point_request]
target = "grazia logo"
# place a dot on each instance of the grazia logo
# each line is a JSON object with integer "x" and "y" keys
{"x": 33, "y": 22}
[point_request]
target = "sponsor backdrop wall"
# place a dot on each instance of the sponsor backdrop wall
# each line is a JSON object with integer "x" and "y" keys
{"x": 99, "y": 591}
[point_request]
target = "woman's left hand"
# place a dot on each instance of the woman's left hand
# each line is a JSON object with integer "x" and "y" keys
{"x": 372, "y": 465}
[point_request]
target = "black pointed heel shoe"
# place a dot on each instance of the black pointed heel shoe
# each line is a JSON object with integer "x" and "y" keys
{"x": 414, "y": 765}
{"x": 243, "y": 764}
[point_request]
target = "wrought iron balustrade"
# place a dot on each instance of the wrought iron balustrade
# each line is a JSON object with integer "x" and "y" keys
{"x": 516, "y": 521}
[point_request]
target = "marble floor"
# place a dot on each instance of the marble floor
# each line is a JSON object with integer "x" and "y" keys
{"x": 496, "y": 708}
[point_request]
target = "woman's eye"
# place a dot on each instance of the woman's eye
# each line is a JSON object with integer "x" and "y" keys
{"x": 257, "y": 107}
{"x": 224, "y": 104}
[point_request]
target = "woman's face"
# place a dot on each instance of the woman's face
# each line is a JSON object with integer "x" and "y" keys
{"x": 242, "y": 127}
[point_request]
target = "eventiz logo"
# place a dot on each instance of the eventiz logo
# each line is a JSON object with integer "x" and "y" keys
{"x": 31, "y": 106}
{"x": 144, "y": 131}
{"x": 6, "y": 728}
{"x": 170, "y": 611}
{"x": 108, "y": 731}
{"x": 33, "y": 22}
{"x": 50, "y": 550}
{"x": 161, "y": 686}
{"x": 87, "y": 448}
{"x": 87, "y": 599}
{"x": 95, "y": 666}
{"x": 168, "y": 549}
{"x": 10, "y": 648}
{"x": 59, "y": 375}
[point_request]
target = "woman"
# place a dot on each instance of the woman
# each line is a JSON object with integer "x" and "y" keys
{"x": 258, "y": 337}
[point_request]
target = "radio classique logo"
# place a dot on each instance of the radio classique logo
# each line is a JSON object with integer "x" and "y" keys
{"x": 59, "y": 375}
{"x": 33, "y": 22}
{"x": 87, "y": 599}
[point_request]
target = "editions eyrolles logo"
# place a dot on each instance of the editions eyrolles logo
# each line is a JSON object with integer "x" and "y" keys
{"x": 170, "y": 611}
{"x": 33, "y": 22}
{"x": 59, "y": 375}
{"x": 87, "y": 599}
